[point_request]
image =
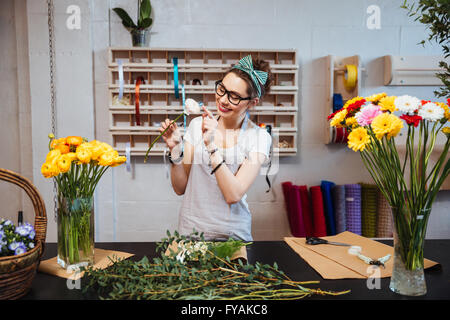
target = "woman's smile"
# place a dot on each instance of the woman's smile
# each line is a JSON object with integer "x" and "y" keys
{"x": 223, "y": 108}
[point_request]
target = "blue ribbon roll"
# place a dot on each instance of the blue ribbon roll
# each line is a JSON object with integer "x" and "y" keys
{"x": 175, "y": 77}
{"x": 338, "y": 102}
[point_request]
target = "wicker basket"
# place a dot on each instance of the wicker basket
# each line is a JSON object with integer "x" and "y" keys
{"x": 17, "y": 272}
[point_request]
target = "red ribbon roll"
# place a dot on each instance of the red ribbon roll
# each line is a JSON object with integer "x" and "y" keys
{"x": 136, "y": 100}
{"x": 339, "y": 135}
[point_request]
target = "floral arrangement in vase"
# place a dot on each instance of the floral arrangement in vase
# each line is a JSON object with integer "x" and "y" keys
{"x": 409, "y": 182}
{"x": 15, "y": 240}
{"x": 77, "y": 166}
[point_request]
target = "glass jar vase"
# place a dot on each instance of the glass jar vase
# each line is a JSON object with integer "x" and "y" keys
{"x": 408, "y": 276}
{"x": 75, "y": 232}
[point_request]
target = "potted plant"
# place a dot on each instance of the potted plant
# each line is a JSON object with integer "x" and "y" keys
{"x": 140, "y": 31}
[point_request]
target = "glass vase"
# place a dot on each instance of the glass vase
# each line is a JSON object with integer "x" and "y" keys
{"x": 409, "y": 237}
{"x": 75, "y": 232}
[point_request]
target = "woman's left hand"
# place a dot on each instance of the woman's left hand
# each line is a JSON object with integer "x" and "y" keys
{"x": 209, "y": 126}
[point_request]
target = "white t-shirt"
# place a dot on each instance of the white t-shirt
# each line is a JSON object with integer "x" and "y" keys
{"x": 203, "y": 207}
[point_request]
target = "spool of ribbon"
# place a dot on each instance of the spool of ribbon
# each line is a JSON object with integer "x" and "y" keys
{"x": 350, "y": 76}
{"x": 339, "y": 136}
{"x": 136, "y": 100}
{"x": 175, "y": 77}
{"x": 338, "y": 102}
{"x": 120, "y": 64}
{"x": 128, "y": 156}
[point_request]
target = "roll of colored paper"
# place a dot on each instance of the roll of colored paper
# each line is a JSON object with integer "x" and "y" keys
{"x": 338, "y": 194}
{"x": 369, "y": 210}
{"x": 328, "y": 206}
{"x": 296, "y": 206}
{"x": 294, "y": 209}
{"x": 306, "y": 211}
{"x": 286, "y": 186}
{"x": 384, "y": 217}
{"x": 320, "y": 226}
{"x": 353, "y": 208}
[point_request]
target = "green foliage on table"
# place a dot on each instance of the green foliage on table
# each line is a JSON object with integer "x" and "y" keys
{"x": 435, "y": 14}
{"x": 210, "y": 275}
{"x": 144, "y": 21}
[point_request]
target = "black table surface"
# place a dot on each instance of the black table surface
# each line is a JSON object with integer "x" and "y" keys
{"x": 48, "y": 287}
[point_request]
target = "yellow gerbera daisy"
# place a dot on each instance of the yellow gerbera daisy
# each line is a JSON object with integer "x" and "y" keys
{"x": 351, "y": 122}
{"x": 446, "y": 110}
{"x": 358, "y": 139}
{"x": 446, "y": 131}
{"x": 386, "y": 124}
{"x": 387, "y": 104}
{"x": 376, "y": 97}
{"x": 338, "y": 118}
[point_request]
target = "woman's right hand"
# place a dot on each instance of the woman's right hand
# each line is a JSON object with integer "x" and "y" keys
{"x": 172, "y": 136}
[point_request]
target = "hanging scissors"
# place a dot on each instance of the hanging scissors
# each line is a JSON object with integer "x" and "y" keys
{"x": 313, "y": 241}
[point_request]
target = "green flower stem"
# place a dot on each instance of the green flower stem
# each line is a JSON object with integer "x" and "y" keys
{"x": 151, "y": 146}
{"x": 411, "y": 204}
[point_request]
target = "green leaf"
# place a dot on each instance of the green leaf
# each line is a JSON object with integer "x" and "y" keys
{"x": 126, "y": 20}
{"x": 146, "y": 10}
{"x": 146, "y": 23}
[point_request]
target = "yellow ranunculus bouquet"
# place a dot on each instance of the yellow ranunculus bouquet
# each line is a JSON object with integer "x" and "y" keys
{"x": 373, "y": 123}
{"x": 77, "y": 165}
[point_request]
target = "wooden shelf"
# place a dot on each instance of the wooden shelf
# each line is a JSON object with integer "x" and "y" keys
{"x": 157, "y": 97}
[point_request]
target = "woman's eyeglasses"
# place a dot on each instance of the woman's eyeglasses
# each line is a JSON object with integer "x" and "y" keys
{"x": 233, "y": 98}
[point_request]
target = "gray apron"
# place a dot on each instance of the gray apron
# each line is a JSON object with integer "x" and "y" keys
{"x": 204, "y": 207}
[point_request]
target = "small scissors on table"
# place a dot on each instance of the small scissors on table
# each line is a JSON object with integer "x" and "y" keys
{"x": 315, "y": 241}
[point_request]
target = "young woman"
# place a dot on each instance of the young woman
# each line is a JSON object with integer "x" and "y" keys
{"x": 222, "y": 156}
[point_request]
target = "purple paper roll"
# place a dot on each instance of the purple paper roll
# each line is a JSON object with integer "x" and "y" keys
{"x": 353, "y": 208}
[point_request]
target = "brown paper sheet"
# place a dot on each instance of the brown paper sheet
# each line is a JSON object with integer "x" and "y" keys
{"x": 239, "y": 254}
{"x": 334, "y": 262}
{"x": 101, "y": 261}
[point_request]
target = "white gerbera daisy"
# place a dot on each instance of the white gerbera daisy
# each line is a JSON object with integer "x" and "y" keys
{"x": 431, "y": 111}
{"x": 407, "y": 104}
